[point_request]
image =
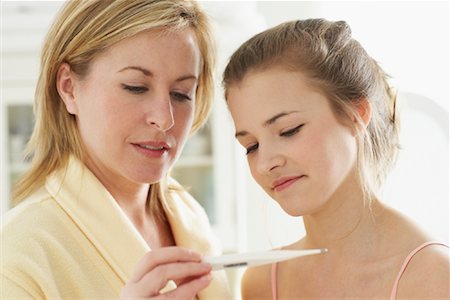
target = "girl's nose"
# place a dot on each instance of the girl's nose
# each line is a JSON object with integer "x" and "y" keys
{"x": 269, "y": 159}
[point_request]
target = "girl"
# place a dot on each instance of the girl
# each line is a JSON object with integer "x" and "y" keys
{"x": 318, "y": 120}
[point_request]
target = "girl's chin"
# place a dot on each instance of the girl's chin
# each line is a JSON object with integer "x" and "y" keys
{"x": 301, "y": 208}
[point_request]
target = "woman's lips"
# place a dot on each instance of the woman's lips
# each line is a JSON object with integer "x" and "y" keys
{"x": 284, "y": 182}
{"x": 152, "y": 149}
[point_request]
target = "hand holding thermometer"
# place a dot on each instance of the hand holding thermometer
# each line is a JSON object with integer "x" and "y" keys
{"x": 257, "y": 258}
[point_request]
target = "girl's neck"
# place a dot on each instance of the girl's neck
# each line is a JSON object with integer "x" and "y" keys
{"x": 346, "y": 224}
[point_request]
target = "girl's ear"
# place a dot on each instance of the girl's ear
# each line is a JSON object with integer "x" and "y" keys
{"x": 65, "y": 84}
{"x": 364, "y": 112}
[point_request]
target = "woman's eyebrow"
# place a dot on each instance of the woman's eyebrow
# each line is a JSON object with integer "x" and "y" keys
{"x": 269, "y": 121}
{"x": 188, "y": 77}
{"x": 137, "y": 68}
{"x": 149, "y": 73}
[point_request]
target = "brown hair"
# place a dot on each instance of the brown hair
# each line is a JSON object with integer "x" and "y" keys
{"x": 82, "y": 30}
{"x": 337, "y": 64}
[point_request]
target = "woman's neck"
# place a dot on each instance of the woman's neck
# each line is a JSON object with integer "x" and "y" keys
{"x": 130, "y": 196}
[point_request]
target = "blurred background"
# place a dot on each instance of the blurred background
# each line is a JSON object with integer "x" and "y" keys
{"x": 410, "y": 39}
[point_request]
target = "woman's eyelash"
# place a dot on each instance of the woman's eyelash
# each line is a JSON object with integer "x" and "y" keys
{"x": 251, "y": 149}
{"x": 180, "y": 97}
{"x": 292, "y": 131}
{"x": 142, "y": 89}
{"x": 135, "y": 89}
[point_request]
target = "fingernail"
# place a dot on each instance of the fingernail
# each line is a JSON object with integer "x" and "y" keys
{"x": 206, "y": 277}
{"x": 205, "y": 266}
{"x": 195, "y": 255}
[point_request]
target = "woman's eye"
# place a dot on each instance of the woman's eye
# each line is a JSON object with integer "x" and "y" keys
{"x": 180, "y": 97}
{"x": 251, "y": 149}
{"x": 292, "y": 131}
{"x": 135, "y": 89}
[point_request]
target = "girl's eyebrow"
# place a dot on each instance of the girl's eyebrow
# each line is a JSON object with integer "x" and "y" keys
{"x": 240, "y": 133}
{"x": 269, "y": 121}
{"x": 277, "y": 116}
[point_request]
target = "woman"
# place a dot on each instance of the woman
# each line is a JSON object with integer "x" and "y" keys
{"x": 318, "y": 120}
{"x": 122, "y": 85}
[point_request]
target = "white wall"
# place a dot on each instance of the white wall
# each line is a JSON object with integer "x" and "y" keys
{"x": 411, "y": 40}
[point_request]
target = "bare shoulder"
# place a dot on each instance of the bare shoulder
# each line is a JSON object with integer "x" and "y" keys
{"x": 256, "y": 283}
{"x": 427, "y": 274}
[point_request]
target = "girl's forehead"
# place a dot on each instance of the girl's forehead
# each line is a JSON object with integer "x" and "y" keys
{"x": 274, "y": 87}
{"x": 268, "y": 100}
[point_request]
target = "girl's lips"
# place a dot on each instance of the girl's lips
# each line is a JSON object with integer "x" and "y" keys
{"x": 284, "y": 182}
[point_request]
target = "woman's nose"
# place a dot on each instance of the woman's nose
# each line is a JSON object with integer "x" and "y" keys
{"x": 269, "y": 159}
{"x": 160, "y": 113}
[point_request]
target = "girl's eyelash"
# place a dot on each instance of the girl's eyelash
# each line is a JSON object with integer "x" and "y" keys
{"x": 292, "y": 131}
{"x": 135, "y": 89}
{"x": 251, "y": 149}
{"x": 286, "y": 133}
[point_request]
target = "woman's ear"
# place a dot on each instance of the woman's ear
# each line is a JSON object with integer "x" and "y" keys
{"x": 65, "y": 84}
{"x": 364, "y": 112}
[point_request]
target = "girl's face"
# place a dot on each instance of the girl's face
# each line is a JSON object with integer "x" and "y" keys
{"x": 297, "y": 150}
{"x": 134, "y": 108}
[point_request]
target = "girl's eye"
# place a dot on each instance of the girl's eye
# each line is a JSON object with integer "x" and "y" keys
{"x": 251, "y": 149}
{"x": 292, "y": 131}
{"x": 180, "y": 97}
{"x": 135, "y": 89}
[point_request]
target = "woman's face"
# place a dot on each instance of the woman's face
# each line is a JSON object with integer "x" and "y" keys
{"x": 134, "y": 108}
{"x": 297, "y": 150}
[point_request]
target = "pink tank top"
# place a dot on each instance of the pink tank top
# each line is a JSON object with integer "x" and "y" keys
{"x": 273, "y": 273}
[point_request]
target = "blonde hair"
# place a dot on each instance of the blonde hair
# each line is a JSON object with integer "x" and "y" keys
{"x": 82, "y": 30}
{"x": 337, "y": 64}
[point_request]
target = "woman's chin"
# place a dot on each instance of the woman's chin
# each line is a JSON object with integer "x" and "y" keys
{"x": 147, "y": 176}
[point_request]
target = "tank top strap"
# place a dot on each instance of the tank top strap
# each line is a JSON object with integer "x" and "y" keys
{"x": 273, "y": 280}
{"x": 405, "y": 264}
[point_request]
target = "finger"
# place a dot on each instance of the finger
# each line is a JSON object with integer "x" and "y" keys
{"x": 190, "y": 278}
{"x": 162, "y": 256}
{"x": 155, "y": 280}
{"x": 188, "y": 290}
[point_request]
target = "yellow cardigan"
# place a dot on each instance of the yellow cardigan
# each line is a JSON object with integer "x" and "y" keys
{"x": 71, "y": 240}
